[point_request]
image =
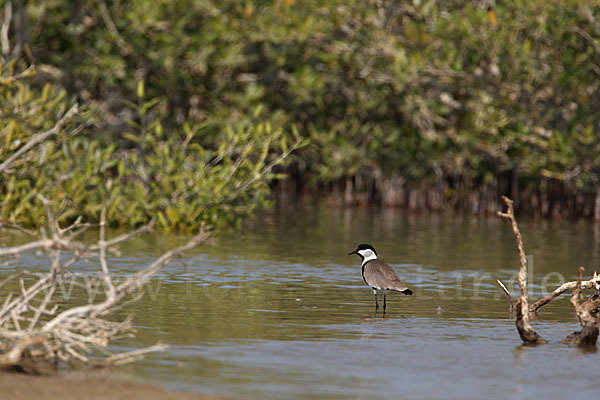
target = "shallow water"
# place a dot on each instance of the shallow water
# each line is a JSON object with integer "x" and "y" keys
{"x": 280, "y": 311}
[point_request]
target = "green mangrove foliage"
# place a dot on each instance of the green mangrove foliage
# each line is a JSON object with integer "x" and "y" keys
{"x": 147, "y": 173}
{"x": 28, "y": 143}
{"x": 435, "y": 103}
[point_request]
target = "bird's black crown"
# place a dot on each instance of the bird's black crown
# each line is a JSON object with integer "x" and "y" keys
{"x": 363, "y": 246}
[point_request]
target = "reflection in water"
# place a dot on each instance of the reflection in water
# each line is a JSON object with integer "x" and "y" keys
{"x": 279, "y": 311}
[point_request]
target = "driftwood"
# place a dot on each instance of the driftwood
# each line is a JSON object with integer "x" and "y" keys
{"x": 526, "y": 331}
{"x": 32, "y": 327}
{"x": 587, "y": 312}
{"x": 592, "y": 283}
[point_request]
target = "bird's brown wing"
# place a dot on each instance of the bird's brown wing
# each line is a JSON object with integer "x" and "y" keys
{"x": 380, "y": 275}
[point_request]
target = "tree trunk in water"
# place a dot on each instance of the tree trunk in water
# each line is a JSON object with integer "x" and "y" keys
{"x": 597, "y": 205}
{"x": 348, "y": 192}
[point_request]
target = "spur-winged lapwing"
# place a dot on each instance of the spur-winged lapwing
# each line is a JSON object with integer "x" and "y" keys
{"x": 378, "y": 274}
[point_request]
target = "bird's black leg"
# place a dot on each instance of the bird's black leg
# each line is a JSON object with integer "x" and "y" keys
{"x": 384, "y": 293}
{"x": 375, "y": 294}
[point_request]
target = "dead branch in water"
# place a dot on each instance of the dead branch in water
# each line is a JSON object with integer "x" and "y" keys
{"x": 587, "y": 312}
{"x": 589, "y": 324}
{"x": 32, "y": 327}
{"x": 562, "y": 289}
{"x": 526, "y": 331}
{"x": 511, "y": 302}
{"x": 592, "y": 283}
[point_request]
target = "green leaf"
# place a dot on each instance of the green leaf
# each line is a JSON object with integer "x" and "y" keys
{"x": 140, "y": 89}
{"x": 132, "y": 137}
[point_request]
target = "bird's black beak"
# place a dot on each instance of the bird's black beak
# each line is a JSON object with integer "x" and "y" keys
{"x": 354, "y": 252}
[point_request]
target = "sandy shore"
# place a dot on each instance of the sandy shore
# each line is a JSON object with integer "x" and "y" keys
{"x": 16, "y": 386}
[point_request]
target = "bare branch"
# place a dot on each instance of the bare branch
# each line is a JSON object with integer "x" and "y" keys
{"x": 511, "y": 302}
{"x": 241, "y": 188}
{"x": 112, "y": 29}
{"x": 78, "y": 333}
{"x": 12, "y": 277}
{"x": 42, "y": 307}
{"x": 14, "y": 250}
{"x": 110, "y": 291}
{"x": 14, "y": 355}
{"x": 589, "y": 332}
{"x": 126, "y": 236}
{"x": 52, "y": 224}
{"x": 134, "y": 282}
{"x": 140, "y": 278}
{"x": 40, "y": 137}
{"x": 526, "y": 331}
{"x": 134, "y": 355}
{"x": 4, "y": 31}
{"x": 29, "y": 71}
{"x": 592, "y": 283}
{"x": 7, "y": 225}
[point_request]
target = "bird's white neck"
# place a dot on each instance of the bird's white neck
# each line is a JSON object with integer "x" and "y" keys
{"x": 368, "y": 257}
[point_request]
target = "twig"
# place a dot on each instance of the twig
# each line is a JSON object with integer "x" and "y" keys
{"x": 30, "y": 293}
{"x": 110, "y": 292}
{"x": 126, "y": 236}
{"x": 126, "y": 287}
{"x": 40, "y": 137}
{"x": 42, "y": 306}
{"x": 26, "y": 73}
{"x": 242, "y": 187}
{"x": 112, "y": 28}
{"x": 511, "y": 302}
{"x": 76, "y": 228}
{"x": 11, "y": 277}
{"x": 4, "y": 31}
{"x": 133, "y": 355}
{"x": 7, "y": 225}
{"x": 14, "y": 250}
{"x": 140, "y": 278}
{"x": 52, "y": 224}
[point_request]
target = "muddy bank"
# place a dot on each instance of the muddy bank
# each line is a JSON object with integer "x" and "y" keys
{"x": 16, "y": 386}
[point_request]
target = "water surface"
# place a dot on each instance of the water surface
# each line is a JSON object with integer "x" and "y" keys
{"x": 280, "y": 311}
